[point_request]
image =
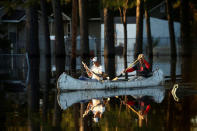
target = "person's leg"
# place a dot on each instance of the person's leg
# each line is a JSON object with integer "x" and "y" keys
{"x": 84, "y": 78}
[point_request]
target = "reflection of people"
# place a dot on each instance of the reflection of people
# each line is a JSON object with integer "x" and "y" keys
{"x": 97, "y": 107}
{"x": 140, "y": 106}
{"x": 142, "y": 68}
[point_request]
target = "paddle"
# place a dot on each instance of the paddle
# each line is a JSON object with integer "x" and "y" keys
{"x": 88, "y": 70}
{"x": 116, "y": 78}
{"x": 139, "y": 115}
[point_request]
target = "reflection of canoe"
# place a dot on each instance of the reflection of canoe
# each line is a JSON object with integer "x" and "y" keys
{"x": 66, "y": 99}
{"x": 66, "y": 82}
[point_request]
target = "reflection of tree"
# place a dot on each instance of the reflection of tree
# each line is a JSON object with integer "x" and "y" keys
{"x": 44, "y": 83}
{"x": 57, "y": 114}
{"x": 33, "y": 94}
{"x": 3, "y": 108}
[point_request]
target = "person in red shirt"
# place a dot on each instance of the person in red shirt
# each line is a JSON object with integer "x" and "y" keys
{"x": 142, "y": 67}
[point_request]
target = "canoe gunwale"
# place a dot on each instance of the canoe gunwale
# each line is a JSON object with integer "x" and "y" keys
{"x": 66, "y": 82}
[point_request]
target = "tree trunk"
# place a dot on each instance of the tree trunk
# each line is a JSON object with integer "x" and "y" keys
{"x": 33, "y": 90}
{"x": 59, "y": 30}
{"x": 45, "y": 71}
{"x": 57, "y": 115}
{"x": 171, "y": 29}
{"x": 74, "y": 35}
{"x": 47, "y": 49}
{"x": 32, "y": 31}
{"x": 109, "y": 49}
{"x": 139, "y": 28}
{"x": 84, "y": 42}
{"x": 125, "y": 47}
{"x": 185, "y": 29}
{"x": 149, "y": 36}
{"x": 186, "y": 46}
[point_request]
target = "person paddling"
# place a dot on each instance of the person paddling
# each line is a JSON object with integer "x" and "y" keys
{"x": 142, "y": 67}
{"x": 96, "y": 68}
{"x": 95, "y": 72}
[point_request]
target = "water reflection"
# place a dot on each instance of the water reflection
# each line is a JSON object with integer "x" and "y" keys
{"x": 66, "y": 99}
{"x": 33, "y": 94}
{"x": 96, "y": 106}
{"x": 42, "y": 109}
{"x": 139, "y": 105}
{"x": 179, "y": 91}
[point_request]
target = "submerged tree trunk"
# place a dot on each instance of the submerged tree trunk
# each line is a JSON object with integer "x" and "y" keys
{"x": 171, "y": 29}
{"x": 59, "y": 38}
{"x": 74, "y": 35}
{"x": 57, "y": 115}
{"x": 45, "y": 71}
{"x": 123, "y": 14}
{"x": 59, "y": 30}
{"x": 125, "y": 48}
{"x": 186, "y": 45}
{"x": 109, "y": 49}
{"x": 32, "y": 30}
{"x": 139, "y": 28}
{"x": 149, "y": 36}
{"x": 33, "y": 90}
{"x": 47, "y": 48}
{"x": 84, "y": 42}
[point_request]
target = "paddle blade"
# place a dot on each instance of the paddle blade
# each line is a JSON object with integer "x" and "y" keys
{"x": 116, "y": 78}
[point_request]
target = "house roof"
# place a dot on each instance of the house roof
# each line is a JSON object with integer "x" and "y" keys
{"x": 14, "y": 17}
{"x": 65, "y": 17}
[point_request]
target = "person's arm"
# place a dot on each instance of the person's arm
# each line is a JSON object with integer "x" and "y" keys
{"x": 146, "y": 64}
{"x": 147, "y": 109}
{"x": 131, "y": 69}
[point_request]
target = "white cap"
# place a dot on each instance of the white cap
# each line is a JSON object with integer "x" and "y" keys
{"x": 94, "y": 59}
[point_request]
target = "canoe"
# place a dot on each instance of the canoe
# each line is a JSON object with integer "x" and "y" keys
{"x": 66, "y": 82}
{"x": 68, "y": 98}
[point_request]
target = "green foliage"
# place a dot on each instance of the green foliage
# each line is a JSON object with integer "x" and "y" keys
{"x": 115, "y": 4}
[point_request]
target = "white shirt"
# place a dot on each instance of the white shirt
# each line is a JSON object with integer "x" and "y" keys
{"x": 97, "y": 70}
{"x": 97, "y": 106}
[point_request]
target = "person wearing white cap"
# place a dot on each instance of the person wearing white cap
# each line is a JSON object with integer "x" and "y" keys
{"x": 96, "y": 68}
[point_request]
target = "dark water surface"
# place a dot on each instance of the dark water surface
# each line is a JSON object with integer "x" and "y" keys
{"x": 39, "y": 106}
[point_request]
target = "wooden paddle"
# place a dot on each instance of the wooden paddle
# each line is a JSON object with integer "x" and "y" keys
{"x": 89, "y": 70}
{"x": 116, "y": 78}
{"x": 139, "y": 115}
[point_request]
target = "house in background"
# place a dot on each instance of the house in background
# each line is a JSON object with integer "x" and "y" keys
{"x": 159, "y": 30}
{"x": 13, "y": 24}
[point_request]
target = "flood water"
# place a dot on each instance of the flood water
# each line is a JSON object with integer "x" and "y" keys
{"x": 39, "y": 106}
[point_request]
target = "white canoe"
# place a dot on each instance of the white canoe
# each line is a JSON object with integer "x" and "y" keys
{"x": 67, "y": 99}
{"x": 66, "y": 82}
